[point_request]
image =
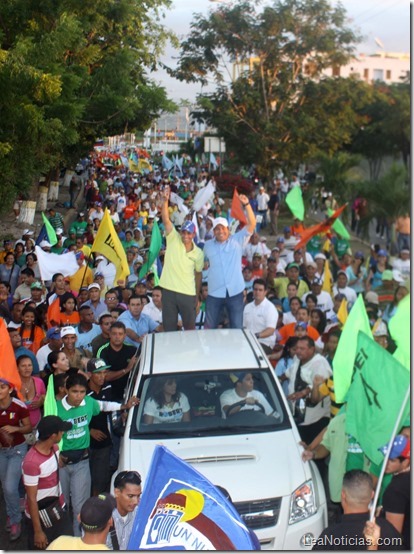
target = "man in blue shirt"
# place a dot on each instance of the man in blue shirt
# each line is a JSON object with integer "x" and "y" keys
{"x": 225, "y": 279}
{"x": 137, "y": 324}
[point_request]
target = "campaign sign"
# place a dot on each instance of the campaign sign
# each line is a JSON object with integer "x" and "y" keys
{"x": 181, "y": 510}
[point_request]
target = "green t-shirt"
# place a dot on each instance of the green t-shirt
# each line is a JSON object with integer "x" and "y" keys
{"x": 314, "y": 245}
{"x": 341, "y": 247}
{"x": 80, "y": 227}
{"x": 336, "y": 441}
{"x": 80, "y": 417}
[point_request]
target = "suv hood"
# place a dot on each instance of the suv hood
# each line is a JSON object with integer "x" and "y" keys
{"x": 269, "y": 462}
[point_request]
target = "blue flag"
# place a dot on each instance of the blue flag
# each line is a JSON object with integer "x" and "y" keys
{"x": 181, "y": 510}
{"x": 42, "y": 235}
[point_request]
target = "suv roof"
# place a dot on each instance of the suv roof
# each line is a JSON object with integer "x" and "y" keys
{"x": 203, "y": 350}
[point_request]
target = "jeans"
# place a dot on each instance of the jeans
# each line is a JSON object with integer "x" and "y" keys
{"x": 234, "y": 305}
{"x": 75, "y": 480}
{"x": 10, "y": 474}
{"x": 404, "y": 241}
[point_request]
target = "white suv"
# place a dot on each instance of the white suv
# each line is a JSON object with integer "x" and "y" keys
{"x": 256, "y": 457}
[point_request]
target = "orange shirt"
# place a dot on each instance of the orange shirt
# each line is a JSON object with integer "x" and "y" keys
{"x": 27, "y": 342}
{"x": 72, "y": 319}
{"x": 288, "y": 331}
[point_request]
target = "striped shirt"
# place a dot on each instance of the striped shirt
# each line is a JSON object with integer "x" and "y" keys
{"x": 42, "y": 471}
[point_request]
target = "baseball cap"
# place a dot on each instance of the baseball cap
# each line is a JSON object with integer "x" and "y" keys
{"x": 387, "y": 275}
{"x": 396, "y": 275}
{"x": 401, "y": 446}
{"x": 53, "y": 333}
{"x": 372, "y": 297}
{"x": 94, "y": 286}
{"x": 405, "y": 251}
{"x": 45, "y": 244}
{"x": 188, "y": 226}
{"x": 220, "y": 221}
{"x": 382, "y": 252}
{"x": 95, "y": 365}
{"x": 317, "y": 281}
{"x": 276, "y": 248}
{"x": 320, "y": 256}
{"x": 263, "y": 239}
{"x": 380, "y": 329}
{"x": 301, "y": 325}
{"x": 99, "y": 274}
{"x": 97, "y": 511}
{"x": 59, "y": 231}
{"x": 342, "y": 272}
{"x": 69, "y": 330}
{"x": 292, "y": 264}
{"x": 271, "y": 259}
{"x": 286, "y": 229}
{"x": 51, "y": 424}
{"x": 311, "y": 264}
{"x": 81, "y": 214}
{"x": 257, "y": 255}
{"x": 237, "y": 376}
{"x": 72, "y": 231}
{"x": 27, "y": 232}
{"x": 36, "y": 285}
{"x": 359, "y": 255}
{"x": 280, "y": 239}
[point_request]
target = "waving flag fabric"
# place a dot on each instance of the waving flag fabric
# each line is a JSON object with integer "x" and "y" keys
{"x": 181, "y": 510}
{"x": 8, "y": 366}
{"x": 236, "y": 208}
{"x": 319, "y": 228}
{"x": 154, "y": 250}
{"x": 294, "y": 200}
{"x": 50, "y": 263}
{"x": 338, "y": 226}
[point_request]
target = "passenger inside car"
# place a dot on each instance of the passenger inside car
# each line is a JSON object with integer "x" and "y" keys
{"x": 243, "y": 396}
{"x": 166, "y": 404}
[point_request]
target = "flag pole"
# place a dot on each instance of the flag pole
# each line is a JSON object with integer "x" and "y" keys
{"x": 387, "y": 455}
{"x": 86, "y": 268}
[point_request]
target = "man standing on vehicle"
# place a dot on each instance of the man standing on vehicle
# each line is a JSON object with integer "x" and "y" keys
{"x": 182, "y": 272}
{"x": 225, "y": 278}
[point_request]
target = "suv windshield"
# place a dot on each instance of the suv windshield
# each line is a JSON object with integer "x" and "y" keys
{"x": 208, "y": 403}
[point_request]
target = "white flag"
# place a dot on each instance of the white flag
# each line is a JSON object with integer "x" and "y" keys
{"x": 203, "y": 196}
{"x": 49, "y": 263}
{"x": 175, "y": 199}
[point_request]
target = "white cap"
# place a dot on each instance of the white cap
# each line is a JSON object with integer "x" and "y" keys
{"x": 100, "y": 257}
{"x": 28, "y": 232}
{"x": 380, "y": 329}
{"x": 320, "y": 256}
{"x": 94, "y": 286}
{"x": 220, "y": 221}
{"x": 69, "y": 330}
{"x": 396, "y": 275}
{"x": 45, "y": 244}
{"x": 59, "y": 231}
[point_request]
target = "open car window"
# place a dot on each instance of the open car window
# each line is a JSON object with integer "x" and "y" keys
{"x": 196, "y": 408}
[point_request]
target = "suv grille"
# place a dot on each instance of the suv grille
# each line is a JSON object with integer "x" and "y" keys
{"x": 259, "y": 514}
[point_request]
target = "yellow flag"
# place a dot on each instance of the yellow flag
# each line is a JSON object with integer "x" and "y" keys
{"x": 108, "y": 244}
{"x": 327, "y": 278}
{"x": 326, "y": 246}
{"x": 343, "y": 311}
{"x": 133, "y": 166}
{"x": 144, "y": 164}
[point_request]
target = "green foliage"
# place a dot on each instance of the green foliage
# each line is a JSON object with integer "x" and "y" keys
{"x": 71, "y": 71}
{"x": 279, "y": 108}
{"x": 335, "y": 171}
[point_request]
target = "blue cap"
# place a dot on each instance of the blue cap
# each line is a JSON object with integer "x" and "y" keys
{"x": 53, "y": 333}
{"x": 400, "y": 447}
{"x": 237, "y": 376}
{"x": 301, "y": 324}
{"x": 286, "y": 229}
{"x": 382, "y": 252}
{"x": 188, "y": 226}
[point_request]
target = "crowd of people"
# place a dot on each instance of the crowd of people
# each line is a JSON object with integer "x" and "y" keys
{"x": 85, "y": 331}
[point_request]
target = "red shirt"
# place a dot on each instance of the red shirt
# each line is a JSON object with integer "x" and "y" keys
{"x": 13, "y": 415}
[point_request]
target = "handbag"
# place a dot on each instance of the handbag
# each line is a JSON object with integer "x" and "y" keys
{"x": 31, "y": 438}
{"x": 50, "y": 511}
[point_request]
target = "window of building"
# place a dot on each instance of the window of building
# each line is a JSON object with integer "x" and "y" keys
{"x": 366, "y": 74}
{"x": 388, "y": 74}
{"x": 336, "y": 71}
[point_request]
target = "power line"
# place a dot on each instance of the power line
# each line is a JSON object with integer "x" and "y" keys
{"x": 379, "y": 13}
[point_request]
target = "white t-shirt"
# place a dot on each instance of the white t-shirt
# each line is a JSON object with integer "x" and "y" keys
{"x": 167, "y": 414}
{"x": 42, "y": 355}
{"x": 318, "y": 365}
{"x": 257, "y": 317}
{"x": 230, "y": 397}
{"x": 153, "y": 312}
{"x": 259, "y": 248}
{"x": 350, "y": 294}
{"x": 403, "y": 266}
{"x": 324, "y": 300}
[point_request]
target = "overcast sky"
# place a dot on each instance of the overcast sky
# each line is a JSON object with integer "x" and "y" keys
{"x": 386, "y": 20}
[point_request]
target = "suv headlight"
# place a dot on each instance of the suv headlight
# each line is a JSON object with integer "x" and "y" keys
{"x": 302, "y": 503}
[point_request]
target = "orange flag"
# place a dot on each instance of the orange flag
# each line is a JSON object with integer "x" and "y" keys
{"x": 236, "y": 210}
{"x": 8, "y": 366}
{"x": 53, "y": 313}
{"x": 319, "y": 228}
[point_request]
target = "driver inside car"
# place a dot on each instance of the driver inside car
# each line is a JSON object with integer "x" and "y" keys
{"x": 243, "y": 396}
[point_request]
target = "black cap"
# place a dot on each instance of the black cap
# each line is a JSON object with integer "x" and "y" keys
{"x": 49, "y": 425}
{"x": 97, "y": 511}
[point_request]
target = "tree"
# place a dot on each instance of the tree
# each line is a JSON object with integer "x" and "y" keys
{"x": 71, "y": 71}
{"x": 386, "y": 131}
{"x": 279, "y": 108}
{"x": 336, "y": 174}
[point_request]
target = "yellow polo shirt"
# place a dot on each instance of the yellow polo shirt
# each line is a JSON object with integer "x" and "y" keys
{"x": 180, "y": 265}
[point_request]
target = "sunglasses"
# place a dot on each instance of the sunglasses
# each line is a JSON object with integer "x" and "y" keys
{"x": 126, "y": 476}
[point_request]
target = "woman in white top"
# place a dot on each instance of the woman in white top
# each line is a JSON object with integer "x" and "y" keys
{"x": 166, "y": 405}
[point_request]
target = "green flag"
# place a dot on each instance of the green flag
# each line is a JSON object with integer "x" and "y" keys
{"x": 400, "y": 330}
{"x": 338, "y": 226}
{"x": 294, "y": 200}
{"x": 379, "y": 385}
{"x": 51, "y": 234}
{"x": 154, "y": 249}
{"x": 343, "y": 362}
{"x": 49, "y": 406}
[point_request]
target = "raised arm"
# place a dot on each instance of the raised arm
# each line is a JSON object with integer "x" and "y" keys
{"x": 251, "y": 218}
{"x": 165, "y": 196}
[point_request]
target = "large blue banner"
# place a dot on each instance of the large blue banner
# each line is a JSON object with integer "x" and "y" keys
{"x": 181, "y": 510}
